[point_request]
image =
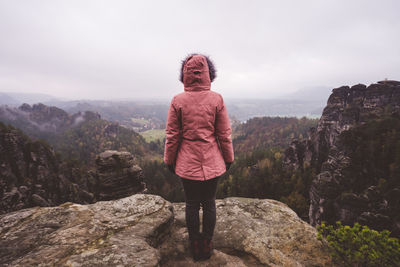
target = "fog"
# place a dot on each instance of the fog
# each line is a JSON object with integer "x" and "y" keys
{"x": 133, "y": 49}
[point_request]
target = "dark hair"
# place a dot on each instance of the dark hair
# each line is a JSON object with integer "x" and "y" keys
{"x": 211, "y": 67}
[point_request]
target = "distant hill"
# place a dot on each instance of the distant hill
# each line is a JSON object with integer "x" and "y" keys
{"x": 148, "y": 115}
{"x": 307, "y": 102}
{"x": 29, "y": 98}
{"x": 143, "y": 115}
{"x": 8, "y": 100}
{"x": 136, "y": 115}
{"x": 244, "y": 109}
{"x": 268, "y": 132}
{"x": 318, "y": 94}
{"x": 79, "y": 136}
{"x": 39, "y": 120}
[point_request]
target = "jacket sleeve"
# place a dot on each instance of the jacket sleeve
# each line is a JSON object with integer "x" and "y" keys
{"x": 173, "y": 133}
{"x": 223, "y": 132}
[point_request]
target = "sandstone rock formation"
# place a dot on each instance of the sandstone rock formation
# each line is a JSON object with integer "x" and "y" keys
{"x": 117, "y": 175}
{"x": 32, "y": 175}
{"x": 251, "y": 232}
{"x": 146, "y": 230}
{"x": 333, "y": 196}
{"x": 123, "y": 232}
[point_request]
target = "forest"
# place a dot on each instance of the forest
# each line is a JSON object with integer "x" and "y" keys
{"x": 259, "y": 143}
{"x": 258, "y": 170}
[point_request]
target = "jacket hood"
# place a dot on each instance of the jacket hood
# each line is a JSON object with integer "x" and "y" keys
{"x": 197, "y": 73}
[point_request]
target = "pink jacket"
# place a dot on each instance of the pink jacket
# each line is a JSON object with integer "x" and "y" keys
{"x": 198, "y": 132}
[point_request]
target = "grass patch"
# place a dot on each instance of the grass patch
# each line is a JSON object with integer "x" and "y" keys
{"x": 140, "y": 121}
{"x": 153, "y": 135}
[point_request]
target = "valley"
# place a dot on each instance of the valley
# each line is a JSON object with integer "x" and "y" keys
{"x": 281, "y": 158}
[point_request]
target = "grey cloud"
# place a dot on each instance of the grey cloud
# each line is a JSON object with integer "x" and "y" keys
{"x": 127, "y": 49}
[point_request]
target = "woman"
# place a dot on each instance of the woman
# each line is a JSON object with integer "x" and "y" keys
{"x": 198, "y": 147}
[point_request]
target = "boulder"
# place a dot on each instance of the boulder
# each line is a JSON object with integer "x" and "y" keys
{"x": 122, "y": 232}
{"x": 118, "y": 175}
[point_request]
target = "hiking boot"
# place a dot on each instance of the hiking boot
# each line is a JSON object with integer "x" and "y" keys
{"x": 207, "y": 249}
{"x": 195, "y": 249}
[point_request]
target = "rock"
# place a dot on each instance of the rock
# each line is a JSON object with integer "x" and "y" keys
{"x": 112, "y": 160}
{"x": 347, "y": 108}
{"x": 250, "y": 232}
{"x": 122, "y": 232}
{"x": 146, "y": 230}
{"x": 23, "y": 189}
{"x": 31, "y": 175}
{"x": 39, "y": 201}
{"x": 118, "y": 175}
{"x": 392, "y": 82}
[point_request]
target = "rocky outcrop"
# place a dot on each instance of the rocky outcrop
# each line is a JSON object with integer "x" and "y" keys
{"x": 117, "y": 175}
{"x": 253, "y": 232}
{"x": 333, "y": 194}
{"x": 32, "y": 175}
{"x": 123, "y": 232}
{"x": 146, "y": 230}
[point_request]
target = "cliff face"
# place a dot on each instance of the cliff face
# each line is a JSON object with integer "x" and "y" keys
{"x": 32, "y": 175}
{"x": 146, "y": 230}
{"x": 339, "y": 192}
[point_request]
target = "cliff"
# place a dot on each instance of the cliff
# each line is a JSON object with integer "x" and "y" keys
{"x": 146, "y": 230}
{"x": 353, "y": 150}
{"x": 32, "y": 175}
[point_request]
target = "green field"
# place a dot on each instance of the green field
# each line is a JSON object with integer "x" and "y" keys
{"x": 140, "y": 121}
{"x": 153, "y": 135}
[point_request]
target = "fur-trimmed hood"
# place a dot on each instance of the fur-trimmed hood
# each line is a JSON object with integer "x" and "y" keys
{"x": 197, "y": 72}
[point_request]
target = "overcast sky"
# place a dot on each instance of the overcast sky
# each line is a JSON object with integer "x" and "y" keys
{"x": 133, "y": 49}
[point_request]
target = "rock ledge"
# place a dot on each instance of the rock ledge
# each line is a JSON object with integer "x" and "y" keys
{"x": 146, "y": 230}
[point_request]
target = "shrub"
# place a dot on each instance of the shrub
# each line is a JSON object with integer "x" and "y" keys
{"x": 360, "y": 245}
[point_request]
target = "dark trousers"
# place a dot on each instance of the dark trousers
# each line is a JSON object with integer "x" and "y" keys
{"x": 200, "y": 193}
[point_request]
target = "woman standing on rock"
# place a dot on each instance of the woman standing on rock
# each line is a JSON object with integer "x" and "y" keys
{"x": 198, "y": 147}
